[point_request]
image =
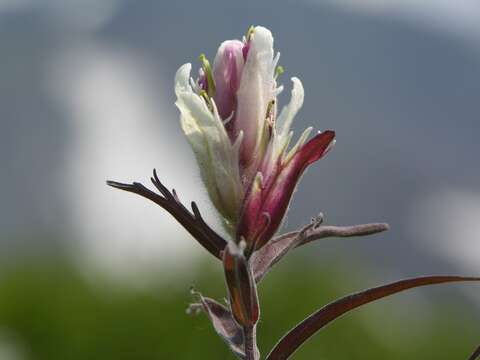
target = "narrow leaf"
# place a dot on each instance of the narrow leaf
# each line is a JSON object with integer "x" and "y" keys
{"x": 224, "y": 324}
{"x": 308, "y": 327}
{"x": 263, "y": 259}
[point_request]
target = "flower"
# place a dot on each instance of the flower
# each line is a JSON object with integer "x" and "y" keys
{"x": 229, "y": 115}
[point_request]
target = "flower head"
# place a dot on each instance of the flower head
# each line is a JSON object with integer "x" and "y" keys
{"x": 229, "y": 116}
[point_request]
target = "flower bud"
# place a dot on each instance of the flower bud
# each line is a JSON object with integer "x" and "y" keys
{"x": 227, "y": 72}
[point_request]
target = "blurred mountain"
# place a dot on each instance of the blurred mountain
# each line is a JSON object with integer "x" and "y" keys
{"x": 403, "y": 100}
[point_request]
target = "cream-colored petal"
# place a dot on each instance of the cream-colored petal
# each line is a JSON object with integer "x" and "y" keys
{"x": 217, "y": 157}
{"x": 298, "y": 145}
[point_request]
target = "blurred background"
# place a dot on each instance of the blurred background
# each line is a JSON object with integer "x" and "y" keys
{"x": 86, "y": 94}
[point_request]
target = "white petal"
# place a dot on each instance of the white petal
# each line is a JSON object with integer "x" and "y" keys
{"x": 182, "y": 79}
{"x": 279, "y": 143}
{"x": 287, "y": 114}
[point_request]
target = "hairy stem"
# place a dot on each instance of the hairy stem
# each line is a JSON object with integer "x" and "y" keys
{"x": 249, "y": 334}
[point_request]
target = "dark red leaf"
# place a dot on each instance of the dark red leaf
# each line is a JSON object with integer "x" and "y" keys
{"x": 308, "y": 327}
{"x": 192, "y": 222}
